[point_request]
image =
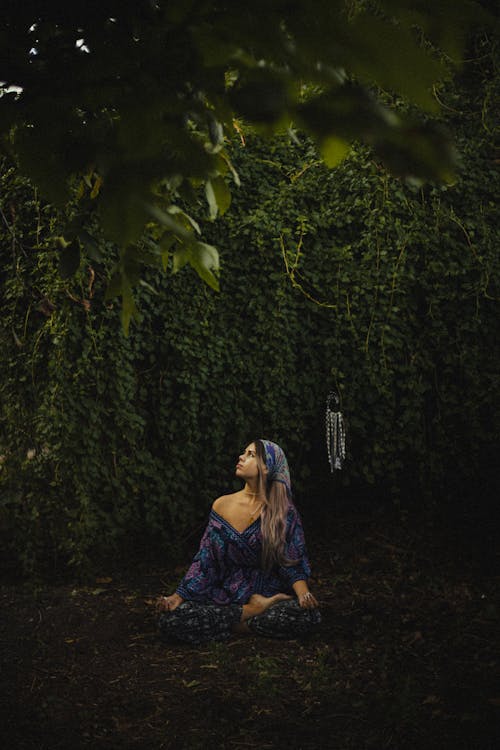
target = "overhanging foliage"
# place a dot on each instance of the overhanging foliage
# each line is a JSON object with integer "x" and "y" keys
{"x": 122, "y": 109}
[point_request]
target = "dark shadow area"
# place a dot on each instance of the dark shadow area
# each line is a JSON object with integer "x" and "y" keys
{"x": 406, "y": 657}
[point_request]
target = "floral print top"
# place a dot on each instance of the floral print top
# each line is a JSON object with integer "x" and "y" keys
{"x": 226, "y": 569}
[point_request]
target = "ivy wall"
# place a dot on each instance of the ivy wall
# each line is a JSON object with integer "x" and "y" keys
{"x": 340, "y": 279}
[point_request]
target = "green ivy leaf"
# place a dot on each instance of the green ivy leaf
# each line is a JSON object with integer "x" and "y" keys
{"x": 211, "y": 200}
{"x": 147, "y": 286}
{"x": 174, "y": 219}
{"x": 205, "y": 260}
{"x": 165, "y": 244}
{"x": 184, "y": 218}
{"x": 181, "y": 257}
{"x": 222, "y": 194}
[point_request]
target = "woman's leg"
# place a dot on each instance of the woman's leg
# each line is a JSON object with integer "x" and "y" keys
{"x": 257, "y": 605}
{"x": 287, "y": 619}
{"x": 199, "y": 623}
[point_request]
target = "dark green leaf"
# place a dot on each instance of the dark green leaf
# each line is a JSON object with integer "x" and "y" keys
{"x": 114, "y": 288}
{"x": 129, "y": 309}
{"x": 91, "y": 246}
{"x": 69, "y": 260}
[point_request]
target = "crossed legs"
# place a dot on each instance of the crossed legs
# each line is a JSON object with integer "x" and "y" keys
{"x": 277, "y": 616}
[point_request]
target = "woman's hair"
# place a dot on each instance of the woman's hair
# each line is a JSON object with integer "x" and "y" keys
{"x": 273, "y": 516}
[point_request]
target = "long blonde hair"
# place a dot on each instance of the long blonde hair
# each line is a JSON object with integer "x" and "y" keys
{"x": 273, "y": 517}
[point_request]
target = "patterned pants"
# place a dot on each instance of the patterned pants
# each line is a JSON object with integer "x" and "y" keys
{"x": 201, "y": 623}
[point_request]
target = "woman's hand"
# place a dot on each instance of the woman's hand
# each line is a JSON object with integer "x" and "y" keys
{"x": 307, "y": 600}
{"x": 304, "y": 597}
{"x": 168, "y": 603}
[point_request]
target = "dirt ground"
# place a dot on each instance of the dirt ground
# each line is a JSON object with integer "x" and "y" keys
{"x": 406, "y": 657}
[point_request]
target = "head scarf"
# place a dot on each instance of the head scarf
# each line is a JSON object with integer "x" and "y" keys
{"x": 277, "y": 465}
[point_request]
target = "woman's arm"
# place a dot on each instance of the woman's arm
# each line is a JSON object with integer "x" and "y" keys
{"x": 295, "y": 549}
{"x": 297, "y": 568}
{"x": 205, "y": 570}
{"x": 202, "y": 575}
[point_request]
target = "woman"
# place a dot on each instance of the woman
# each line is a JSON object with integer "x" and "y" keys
{"x": 250, "y": 574}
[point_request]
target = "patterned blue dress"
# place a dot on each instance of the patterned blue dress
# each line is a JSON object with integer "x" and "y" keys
{"x": 226, "y": 571}
{"x": 226, "y": 568}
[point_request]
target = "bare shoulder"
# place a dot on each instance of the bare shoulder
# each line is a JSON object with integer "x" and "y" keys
{"x": 224, "y": 502}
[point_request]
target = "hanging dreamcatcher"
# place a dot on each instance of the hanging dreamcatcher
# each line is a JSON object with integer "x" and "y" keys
{"x": 335, "y": 432}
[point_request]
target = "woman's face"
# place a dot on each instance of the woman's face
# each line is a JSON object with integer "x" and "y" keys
{"x": 248, "y": 463}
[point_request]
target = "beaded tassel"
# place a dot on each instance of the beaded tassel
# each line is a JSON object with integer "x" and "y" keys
{"x": 335, "y": 432}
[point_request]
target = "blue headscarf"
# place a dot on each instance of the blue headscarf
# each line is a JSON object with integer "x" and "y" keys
{"x": 277, "y": 465}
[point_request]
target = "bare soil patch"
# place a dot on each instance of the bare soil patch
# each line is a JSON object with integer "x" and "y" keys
{"x": 406, "y": 658}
